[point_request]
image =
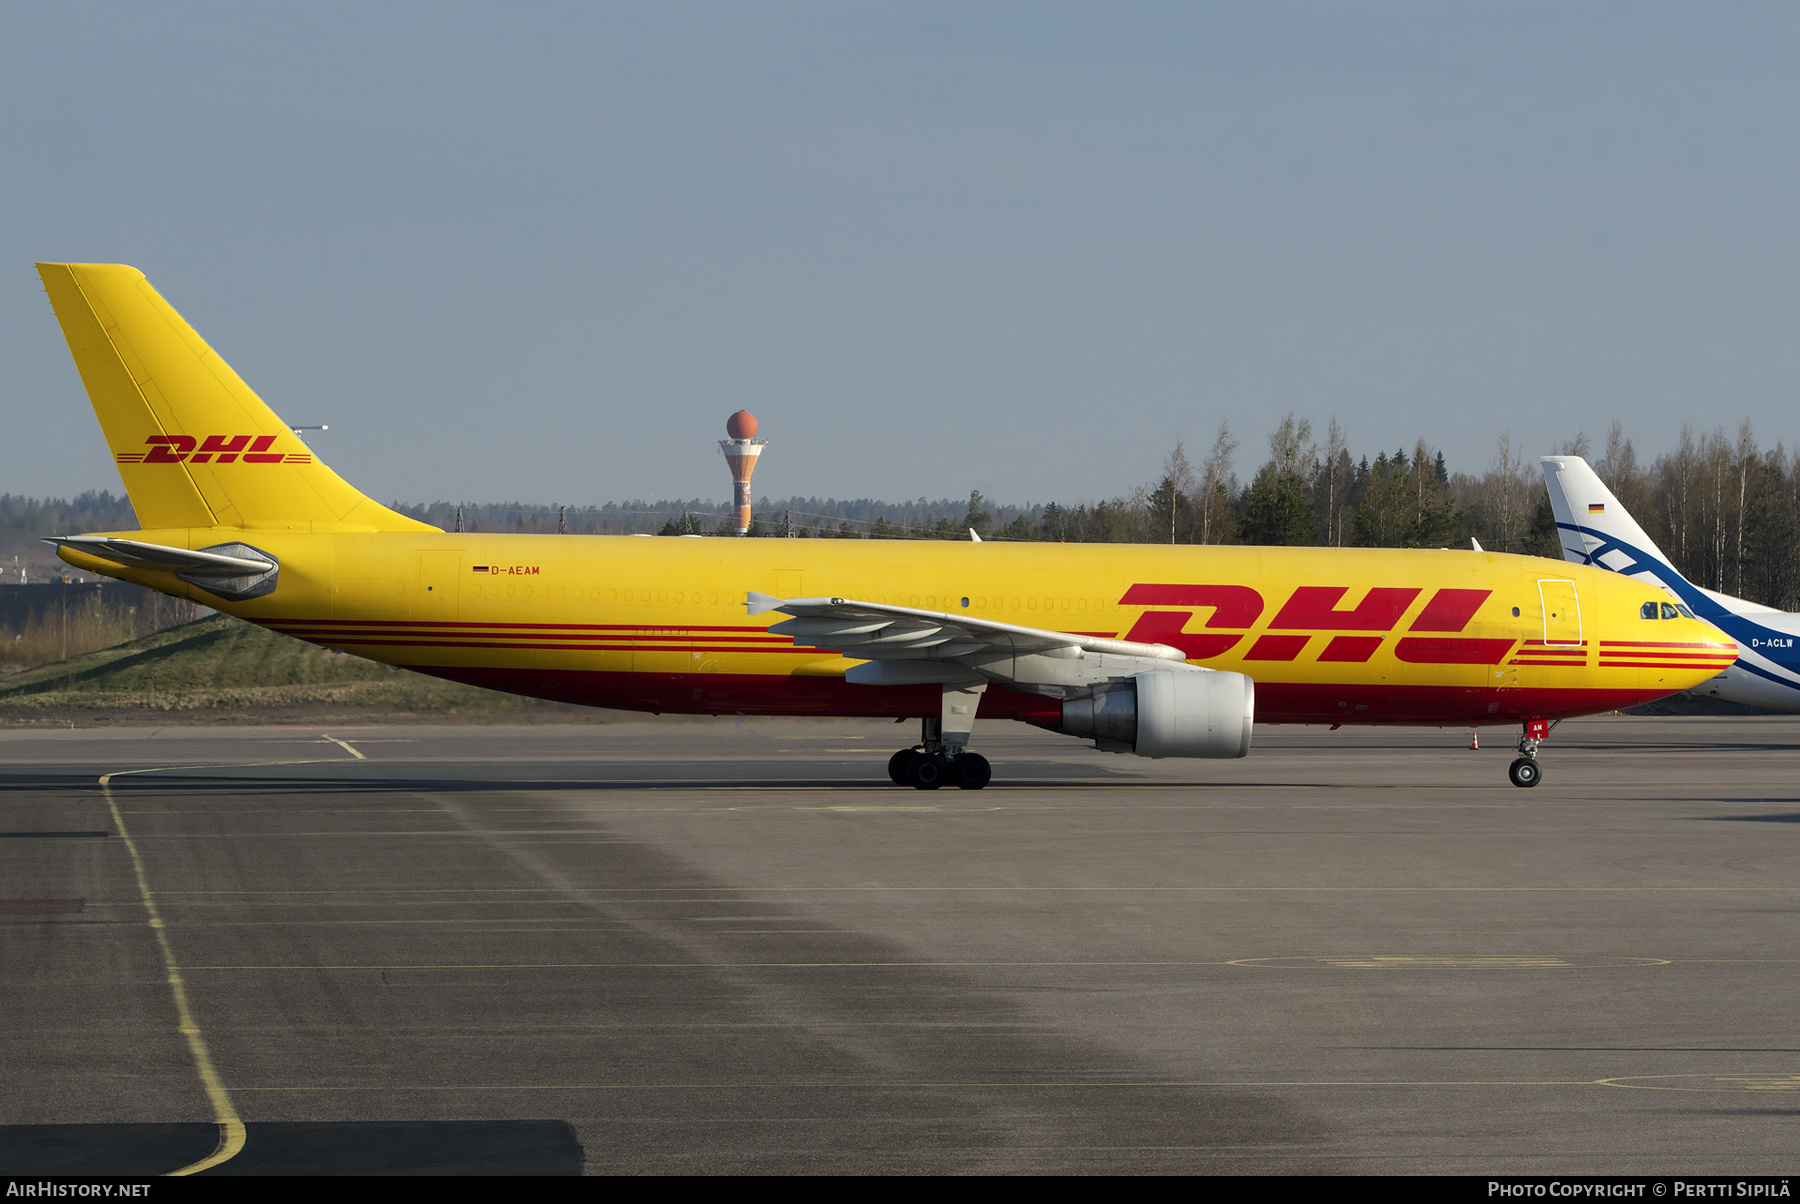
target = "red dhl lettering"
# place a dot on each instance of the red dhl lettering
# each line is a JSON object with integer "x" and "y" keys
{"x": 215, "y": 449}
{"x": 1450, "y": 609}
{"x": 1314, "y": 608}
{"x": 1233, "y": 605}
{"x": 1165, "y": 627}
{"x": 1277, "y": 648}
{"x": 1351, "y": 649}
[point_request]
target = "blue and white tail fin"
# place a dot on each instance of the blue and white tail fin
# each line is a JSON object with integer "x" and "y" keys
{"x": 1595, "y": 529}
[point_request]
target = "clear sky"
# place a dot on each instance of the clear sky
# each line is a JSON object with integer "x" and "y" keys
{"x": 540, "y": 251}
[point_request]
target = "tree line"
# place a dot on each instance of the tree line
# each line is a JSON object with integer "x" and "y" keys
{"x": 1725, "y": 509}
{"x": 847, "y": 518}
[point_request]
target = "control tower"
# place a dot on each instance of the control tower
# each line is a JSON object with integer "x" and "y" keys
{"x": 741, "y": 451}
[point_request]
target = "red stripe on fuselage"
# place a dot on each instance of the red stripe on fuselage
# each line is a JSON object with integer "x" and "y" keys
{"x": 278, "y": 624}
{"x": 1276, "y": 702}
{"x": 1441, "y": 650}
{"x": 1690, "y": 657}
{"x": 451, "y": 639}
{"x": 1656, "y": 644}
{"x": 340, "y": 641}
{"x": 1660, "y": 665}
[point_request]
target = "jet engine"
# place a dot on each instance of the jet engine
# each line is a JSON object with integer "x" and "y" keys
{"x": 1179, "y": 713}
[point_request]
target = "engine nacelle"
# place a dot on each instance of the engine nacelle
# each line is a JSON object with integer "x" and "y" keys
{"x": 1182, "y": 713}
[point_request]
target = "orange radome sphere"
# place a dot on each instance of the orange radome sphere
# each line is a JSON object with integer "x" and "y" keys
{"x": 741, "y": 425}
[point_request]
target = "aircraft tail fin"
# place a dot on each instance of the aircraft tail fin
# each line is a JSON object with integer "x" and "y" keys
{"x": 194, "y": 445}
{"x": 1589, "y": 518}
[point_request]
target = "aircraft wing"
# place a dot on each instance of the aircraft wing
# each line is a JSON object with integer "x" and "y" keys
{"x": 904, "y": 645}
{"x": 133, "y": 554}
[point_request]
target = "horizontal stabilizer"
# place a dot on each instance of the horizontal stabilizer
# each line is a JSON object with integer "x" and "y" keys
{"x": 233, "y": 571}
{"x": 133, "y": 554}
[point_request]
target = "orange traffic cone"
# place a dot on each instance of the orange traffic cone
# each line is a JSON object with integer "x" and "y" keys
{"x": 1475, "y": 738}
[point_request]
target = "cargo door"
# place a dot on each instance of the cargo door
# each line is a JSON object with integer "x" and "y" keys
{"x": 1562, "y": 614}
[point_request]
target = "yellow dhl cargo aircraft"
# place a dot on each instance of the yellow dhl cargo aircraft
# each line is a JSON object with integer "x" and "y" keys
{"x": 1158, "y": 651}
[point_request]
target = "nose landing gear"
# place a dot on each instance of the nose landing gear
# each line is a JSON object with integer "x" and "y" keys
{"x": 1526, "y": 771}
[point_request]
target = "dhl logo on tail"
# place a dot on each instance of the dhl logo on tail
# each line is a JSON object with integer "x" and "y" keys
{"x": 218, "y": 449}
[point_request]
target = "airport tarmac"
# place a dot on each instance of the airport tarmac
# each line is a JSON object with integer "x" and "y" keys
{"x": 700, "y": 947}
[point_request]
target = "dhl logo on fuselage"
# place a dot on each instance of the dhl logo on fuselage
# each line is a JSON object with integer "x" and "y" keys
{"x": 217, "y": 449}
{"x": 1310, "y": 616}
{"x": 1313, "y": 609}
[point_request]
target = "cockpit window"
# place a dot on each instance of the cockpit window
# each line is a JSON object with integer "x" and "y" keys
{"x": 1647, "y": 611}
{"x": 1685, "y": 611}
{"x": 1669, "y": 612}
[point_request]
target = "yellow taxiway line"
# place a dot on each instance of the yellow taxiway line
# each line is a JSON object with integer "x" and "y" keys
{"x": 231, "y": 1125}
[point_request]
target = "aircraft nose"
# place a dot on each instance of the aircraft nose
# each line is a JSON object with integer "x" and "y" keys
{"x": 1672, "y": 654}
{"x": 1709, "y": 652}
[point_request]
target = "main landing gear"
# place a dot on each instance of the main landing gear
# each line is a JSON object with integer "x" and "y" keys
{"x": 1526, "y": 771}
{"x": 942, "y": 758}
{"x": 925, "y": 770}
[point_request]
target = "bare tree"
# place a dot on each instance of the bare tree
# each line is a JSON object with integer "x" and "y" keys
{"x": 1337, "y": 462}
{"x": 1620, "y": 459}
{"x": 1746, "y": 462}
{"x": 1278, "y": 505}
{"x": 1675, "y": 477}
{"x": 1504, "y": 493}
{"x": 1291, "y": 448}
{"x": 1218, "y": 487}
{"x": 1718, "y": 456}
{"x": 1171, "y": 495}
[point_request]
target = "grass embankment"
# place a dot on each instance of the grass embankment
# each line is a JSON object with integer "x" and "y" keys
{"x": 221, "y": 669}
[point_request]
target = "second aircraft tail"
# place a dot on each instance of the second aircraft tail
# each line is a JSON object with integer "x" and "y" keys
{"x": 1595, "y": 529}
{"x": 1590, "y": 521}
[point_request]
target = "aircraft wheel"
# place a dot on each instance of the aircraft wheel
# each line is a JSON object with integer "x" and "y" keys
{"x": 1525, "y": 772}
{"x": 924, "y": 772}
{"x": 897, "y": 765}
{"x": 971, "y": 771}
